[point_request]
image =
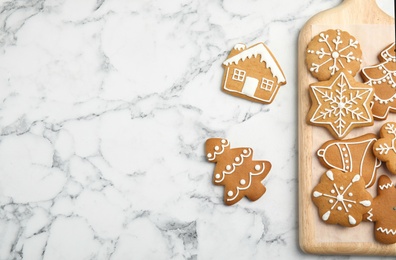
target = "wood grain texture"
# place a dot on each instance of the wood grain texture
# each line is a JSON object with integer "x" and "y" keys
{"x": 349, "y": 12}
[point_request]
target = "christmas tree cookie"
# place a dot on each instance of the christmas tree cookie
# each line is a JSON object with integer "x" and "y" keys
{"x": 340, "y": 104}
{"x": 341, "y": 198}
{"x": 331, "y": 51}
{"x": 236, "y": 170}
{"x": 382, "y": 77}
{"x": 383, "y": 211}
{"x": 385, "y": 147}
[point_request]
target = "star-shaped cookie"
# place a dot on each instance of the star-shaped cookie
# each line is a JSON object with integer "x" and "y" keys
{"x": 340, "y": 104}
{"x": 383, "y": 211}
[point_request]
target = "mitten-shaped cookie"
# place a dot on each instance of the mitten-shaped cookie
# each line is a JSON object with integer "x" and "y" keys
{"x": 236, "y": 171}
{"x": 385, "y": 147}
{"x": 383, "y": 211}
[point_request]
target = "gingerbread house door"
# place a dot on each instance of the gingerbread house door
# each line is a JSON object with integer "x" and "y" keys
{"x": 250, "y": 86}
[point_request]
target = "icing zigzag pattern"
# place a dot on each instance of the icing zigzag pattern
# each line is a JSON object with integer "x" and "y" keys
{"x": 387, "y": 231}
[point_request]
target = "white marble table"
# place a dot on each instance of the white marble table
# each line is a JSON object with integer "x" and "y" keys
{"x": 105, "y": 108}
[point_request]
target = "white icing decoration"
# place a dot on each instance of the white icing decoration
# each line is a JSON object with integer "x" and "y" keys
{"x": 230, "y": 193}
{"x": 356, "y": 178}
{"x": 370, "y": 215}
{"x": 386, "y": 231}
{"x": 217, "y": 175}
{"x": 251, "y": 174}
{"x": 317, "y": 194}
{"x": 326, "y": 216}
{"x": 333, "y": 54}
{"x": 216, "y": 148}
{"x": 347, "y": 165}
{"x": 339, "y": 202}
{"x": 240, "y": 46}
{"x": 257, "y": 167}
{"x": 386, "y": 78}
{"x": 329, "y": 175}
{"x": 341, "y": 105}
{"x": 386, "y": 186}
{"x": 212, "y": 157}
{"x": 365, "y": 203}
{"x": 242, "y": 182}
{"x": 258, "y": 49}
{"x": 351, "y": 220}
{"x": 385, "y": 148}
{"x": 231, "y": 168}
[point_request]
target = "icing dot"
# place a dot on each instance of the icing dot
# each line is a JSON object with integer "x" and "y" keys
{"x": 341, "y": 188}
{"x": 347, "y": 161}
{"x": 230, "y": 193}
{"x": 349, "y": 205}
{"x": 350, "y": 194}
{"x": 209, "y": 155}
{"x": 245, "y": 151}
{"x": 216, "y": 148}
{"x": 332, "y": 191}
{"x": 237, "y": 159}
{"x": 347, "y": 167}
{"x": 339, "y": 208}
{"x": 331, "y": 201}
{"x": 223, "y": 141}
{"x": 343, "y": 149}
{"x": 228, "y": 167}
{"x": 335, "y": 55}
{"x": 242, "y": 182}
{"x": 257, "y": 167}
{"x": 217, "y": 175}
{"x": 346, "y": 155}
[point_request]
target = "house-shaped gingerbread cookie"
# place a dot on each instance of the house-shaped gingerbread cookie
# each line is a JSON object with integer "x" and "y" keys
{"x": 252, "y": 73}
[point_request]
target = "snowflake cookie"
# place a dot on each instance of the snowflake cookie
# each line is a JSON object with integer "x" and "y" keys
{"x": 340, "y": 104}
{"x": 383, "y": 211}
{"x": 382, "y": 77}
{"x": 331, "y": 51}
{"x": 341, "y": 198}
{"x": 385, "y": 147}
{"x": 236, "y": 171}
{"x": 352, "y": 155}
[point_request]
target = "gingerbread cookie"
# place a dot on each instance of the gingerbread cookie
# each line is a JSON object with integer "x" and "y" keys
{"x": 340, "y": 104}
{"x": 385, "y": 147}
{"x": 382, "y": 77}
{"x": 341, "y": 198}
{"x": 331, "y": 51}
{"x": 351, "y": 155}
{"x": 236, "y": 171}
{"x": 252, "y": 73}
{"x": 383, "y": 211}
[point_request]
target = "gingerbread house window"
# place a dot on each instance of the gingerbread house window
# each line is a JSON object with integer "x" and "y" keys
{"x": 239, "y": 75}
{"x": 267, "y": 84}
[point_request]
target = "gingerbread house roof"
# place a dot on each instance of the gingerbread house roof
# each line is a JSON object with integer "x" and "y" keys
{"x": 265, "y": 54}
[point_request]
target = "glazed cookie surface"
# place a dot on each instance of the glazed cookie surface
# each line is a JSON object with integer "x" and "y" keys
{"x": 351, "y": 155}
{"x": 341, "y": 198}
{"x": 383, "y": 211}
{"x": 236, "y": 170}
{"x": 382, "y": 77}
{"x": 252, "y": 73}
{"x": 340, "y": 104}
{"x": 385, "y": 147}
{"x": 330, "y": 51}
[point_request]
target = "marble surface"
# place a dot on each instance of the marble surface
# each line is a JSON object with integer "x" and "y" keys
{"x": 105, "y": 108}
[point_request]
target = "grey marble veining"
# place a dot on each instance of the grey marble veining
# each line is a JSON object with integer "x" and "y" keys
{"x": 105, "y": 108}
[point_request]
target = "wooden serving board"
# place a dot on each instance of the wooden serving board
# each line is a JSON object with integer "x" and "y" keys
{"x": 374, "y": 30}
